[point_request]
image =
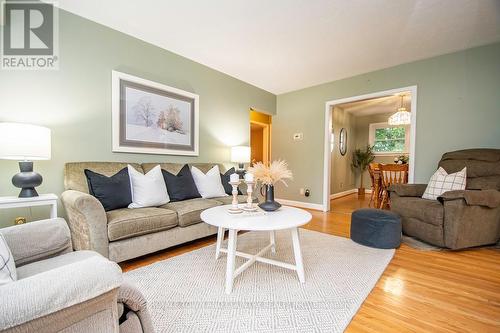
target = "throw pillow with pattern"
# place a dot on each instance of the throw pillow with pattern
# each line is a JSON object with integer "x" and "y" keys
{"x": 442, "y": 182}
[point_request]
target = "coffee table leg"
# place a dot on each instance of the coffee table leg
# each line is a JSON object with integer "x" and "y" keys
{"x": 272, "y": 238}
{"x": 231, "y": 254}
{"x": 220, "y": 239}
{"x": 298, "y": 254}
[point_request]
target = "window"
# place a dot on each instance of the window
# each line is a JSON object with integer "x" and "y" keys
{"x": 389, "y": 140}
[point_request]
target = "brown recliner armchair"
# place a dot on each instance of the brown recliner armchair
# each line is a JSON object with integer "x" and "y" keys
{"x": 458, "y": 219}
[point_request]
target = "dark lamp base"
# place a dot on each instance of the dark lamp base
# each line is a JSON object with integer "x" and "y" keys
{"x": 27, "y": 180}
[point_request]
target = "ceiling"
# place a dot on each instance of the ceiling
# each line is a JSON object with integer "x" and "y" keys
{"x": 285, "y": 45}
{"x": 380, "y": 105}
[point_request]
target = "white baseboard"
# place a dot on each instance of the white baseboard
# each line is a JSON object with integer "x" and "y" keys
{"x": 300, "y": 204}
{"x": 344, "y": 193}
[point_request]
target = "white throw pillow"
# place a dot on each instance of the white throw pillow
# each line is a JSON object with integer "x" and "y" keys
{"x": 147, "y": 190}
{"x": 7, "y": 265}
{"x": 442, "y": 182}
{"x": 210, "y": 184}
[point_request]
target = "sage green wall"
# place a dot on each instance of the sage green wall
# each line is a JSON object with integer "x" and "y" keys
{"x": 458, "y": 106}
{"x": 75, "y": 102}
{"x": 342, "y": 176}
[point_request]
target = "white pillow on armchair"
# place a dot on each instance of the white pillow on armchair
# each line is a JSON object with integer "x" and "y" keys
{"x": 442, "y": 182}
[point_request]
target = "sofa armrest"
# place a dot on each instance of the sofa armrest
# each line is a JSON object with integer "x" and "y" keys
{"x": 408, "y": 190}
{"x": 485, "y": 198}
{"x": 57, "y": 289}
{"x": 38, "y": 240}
{"x": 87, "y": 221}
{"x": 133, "y": 300}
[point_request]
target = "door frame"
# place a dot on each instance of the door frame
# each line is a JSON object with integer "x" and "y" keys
{"x": 266, "y": 140}
{"x": 329, "y": 105}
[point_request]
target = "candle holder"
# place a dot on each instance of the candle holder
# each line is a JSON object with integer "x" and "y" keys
{"x": 249, "y": 207}
{"x": 234, "y": 204}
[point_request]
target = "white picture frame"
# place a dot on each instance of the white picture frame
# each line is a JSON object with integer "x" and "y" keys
{"x": 143, "y": 123}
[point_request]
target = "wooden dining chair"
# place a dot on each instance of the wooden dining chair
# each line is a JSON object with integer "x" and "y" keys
{"x": 391, "y": 174}
{"x": 373, "y": 170}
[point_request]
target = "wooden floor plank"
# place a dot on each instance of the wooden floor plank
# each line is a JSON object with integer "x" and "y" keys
{"x": 420, "y": 291}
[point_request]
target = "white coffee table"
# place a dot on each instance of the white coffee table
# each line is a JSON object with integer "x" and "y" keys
{"x": 284, "y": 218}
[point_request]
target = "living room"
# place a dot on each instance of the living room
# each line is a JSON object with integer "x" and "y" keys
{"x": 127, "y": 150}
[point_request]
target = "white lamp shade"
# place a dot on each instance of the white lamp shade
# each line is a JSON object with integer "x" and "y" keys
{"x": 240, "y": 154}
{"x": 24, "y": 142}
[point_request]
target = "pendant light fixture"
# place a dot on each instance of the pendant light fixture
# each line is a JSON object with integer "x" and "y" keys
{"x": 401, "y": 117}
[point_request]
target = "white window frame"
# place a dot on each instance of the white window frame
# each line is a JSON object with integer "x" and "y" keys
{"x": 371, "y": 138}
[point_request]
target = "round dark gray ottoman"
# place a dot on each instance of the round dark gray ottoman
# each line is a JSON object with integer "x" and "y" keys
{"x": 376, "y": 228}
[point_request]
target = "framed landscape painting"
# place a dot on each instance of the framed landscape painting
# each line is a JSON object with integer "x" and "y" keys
{"x": 153, "y": 118}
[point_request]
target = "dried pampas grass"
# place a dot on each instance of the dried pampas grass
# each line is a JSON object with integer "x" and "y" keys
{"x": 270, "y": 174}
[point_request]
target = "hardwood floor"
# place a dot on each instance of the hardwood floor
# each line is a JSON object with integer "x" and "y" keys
{"x": 420, "y": 291}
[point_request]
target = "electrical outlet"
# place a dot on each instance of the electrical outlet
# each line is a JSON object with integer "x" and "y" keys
{"x": 341, "y": 185}
{"x": 302, "y": 191}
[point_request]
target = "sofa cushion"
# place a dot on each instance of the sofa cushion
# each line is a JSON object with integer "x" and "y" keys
{"x": 188, "y": 211}
{"x": 225, "y": 178}
{"x": 428, "y": 211}
{"x": 125, "y": 223}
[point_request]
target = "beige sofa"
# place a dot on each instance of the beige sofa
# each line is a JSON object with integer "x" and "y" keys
{"x": 124, "y": 234}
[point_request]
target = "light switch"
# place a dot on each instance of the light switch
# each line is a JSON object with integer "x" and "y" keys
{"x": 298, "y": 136}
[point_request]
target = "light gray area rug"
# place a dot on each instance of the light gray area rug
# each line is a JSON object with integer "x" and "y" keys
{"x": 186, "y": 293}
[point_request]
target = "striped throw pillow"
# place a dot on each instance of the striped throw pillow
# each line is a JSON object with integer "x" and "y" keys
{"x": 442, "y": 182}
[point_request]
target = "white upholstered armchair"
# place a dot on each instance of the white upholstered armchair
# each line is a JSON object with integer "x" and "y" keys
{"x": 59, "y": 290}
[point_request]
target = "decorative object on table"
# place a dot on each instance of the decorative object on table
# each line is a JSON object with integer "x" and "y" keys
{"x": 360, "y": 161}
{"x": 25, "y": 143}
{"x": 235, "y": 181}
{"x": 269, "y": 175}
{"x": 401, "y": 117}
{"x": 401, "y": 159}
{"x": 343, "y": 141}
{"x": 240, "y": 155}
{"x": 226, "y": 179}
{"x": 153, "y": 118}
{"x": 250, "y": 181}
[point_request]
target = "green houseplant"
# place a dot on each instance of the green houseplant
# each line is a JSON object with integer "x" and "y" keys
{"x": 360, "y": 161}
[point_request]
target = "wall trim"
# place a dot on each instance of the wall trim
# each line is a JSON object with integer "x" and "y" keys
{"x": 300, "y": 204}
{"x": 343, "y": 193}
{"x": 327, "y": 154}
{"x": 348, "y": 192}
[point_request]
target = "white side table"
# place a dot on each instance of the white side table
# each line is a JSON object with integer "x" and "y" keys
{"x": 42, "y": 200}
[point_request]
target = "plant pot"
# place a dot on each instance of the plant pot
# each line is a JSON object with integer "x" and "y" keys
{"x": 270, "y": 205}
{"x": 361, "y": 192}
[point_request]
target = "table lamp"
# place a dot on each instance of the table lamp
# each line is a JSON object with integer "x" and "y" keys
{"x": 25, "y": 143}
{"x": 240, "y": 155}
